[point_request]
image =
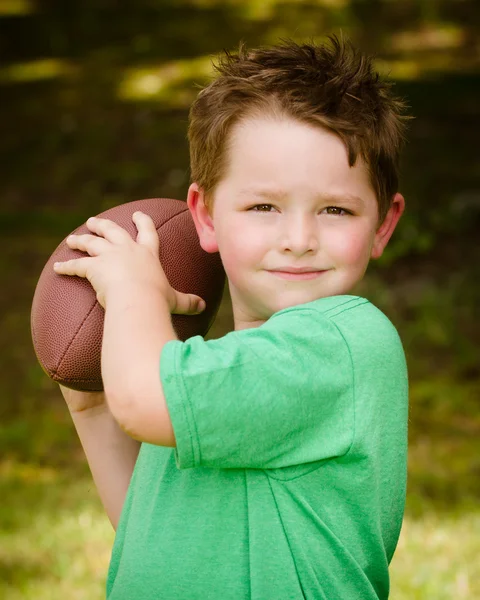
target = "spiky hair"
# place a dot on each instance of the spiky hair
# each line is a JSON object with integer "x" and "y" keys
{"x": 331, "y": 85}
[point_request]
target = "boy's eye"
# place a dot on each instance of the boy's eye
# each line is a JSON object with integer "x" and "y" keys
{"x": 336, "y": 210}
{"x": 262, "y": 207}
{"x": 329, "y": 210}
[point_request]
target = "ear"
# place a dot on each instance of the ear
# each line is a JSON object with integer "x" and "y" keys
{"x": 202, "y": 218}
{"x": 386, "y": 229}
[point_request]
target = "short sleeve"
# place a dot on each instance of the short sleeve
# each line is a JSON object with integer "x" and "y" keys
{"x": 274, "y": 396}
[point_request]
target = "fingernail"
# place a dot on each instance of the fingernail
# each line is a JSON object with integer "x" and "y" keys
{"x": 201, "y": 306}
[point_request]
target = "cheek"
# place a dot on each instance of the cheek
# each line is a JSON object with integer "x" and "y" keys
{"x": 237, "y": 255}
{"x": 241, "y": 242}
{"x": 352, "y": 248}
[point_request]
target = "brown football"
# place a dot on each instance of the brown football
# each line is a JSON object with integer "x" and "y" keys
{"x": 67, "y": 320}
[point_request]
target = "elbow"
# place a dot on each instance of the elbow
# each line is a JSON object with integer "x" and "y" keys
{"x": 120, "y": 403}
{"x": 142, "y": 414}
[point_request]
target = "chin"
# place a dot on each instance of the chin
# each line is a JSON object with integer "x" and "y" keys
{"x": 294, "y": 301}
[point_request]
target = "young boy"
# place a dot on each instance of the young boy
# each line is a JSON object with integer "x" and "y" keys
{"x": 273, "y": 462}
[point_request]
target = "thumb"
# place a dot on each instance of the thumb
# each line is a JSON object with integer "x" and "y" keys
{"x": 188, "y": 304}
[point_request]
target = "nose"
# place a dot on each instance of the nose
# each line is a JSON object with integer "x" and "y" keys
{"x": 299, "y": 234}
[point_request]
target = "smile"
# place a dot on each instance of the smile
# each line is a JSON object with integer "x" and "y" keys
{"x": 297, "y": 276}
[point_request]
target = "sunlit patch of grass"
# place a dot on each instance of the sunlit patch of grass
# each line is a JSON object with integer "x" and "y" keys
{"x": 413, "y": 67}
{"x": 403, "y": 68}
{"x": 16, "y": 7}
{"x": 429, "y": 36}
{"x": 164, "y": 82}
{"x": 435, "y": 558}
{"x": 55, "y": 539}
{"x": 35, "y": 70}
{"x": 261, "y": 8}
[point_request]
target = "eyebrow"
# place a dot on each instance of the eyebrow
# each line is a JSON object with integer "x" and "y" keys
{"x": 272, "y": 194}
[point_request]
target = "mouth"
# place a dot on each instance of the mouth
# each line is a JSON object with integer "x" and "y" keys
{"x": 298, "y": 275}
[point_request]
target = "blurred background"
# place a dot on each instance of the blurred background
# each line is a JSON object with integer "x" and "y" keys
{"x": 93, "y": 113}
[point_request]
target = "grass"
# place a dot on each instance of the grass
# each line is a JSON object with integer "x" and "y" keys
{"x": 435, "y": 557}
{"x": 55, "y": 542}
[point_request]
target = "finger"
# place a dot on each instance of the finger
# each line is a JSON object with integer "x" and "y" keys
{"x": 188, "y": 304}
{"x": 108, "y": 230}
{"x": 77, "y": 266}
{"x": 92, "y": 244}
{"x": 147, "y": 232}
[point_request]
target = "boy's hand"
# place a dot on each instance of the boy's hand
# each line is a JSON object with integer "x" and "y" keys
{"x": 81, "y": 401}
{"x": 117, "y": 262}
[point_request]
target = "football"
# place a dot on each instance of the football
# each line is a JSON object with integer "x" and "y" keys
{"x": 67, "y": 320}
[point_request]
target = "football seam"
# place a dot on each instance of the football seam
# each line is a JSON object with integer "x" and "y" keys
{"x": 55, "y": 372}
{"x": 172, "y": 217}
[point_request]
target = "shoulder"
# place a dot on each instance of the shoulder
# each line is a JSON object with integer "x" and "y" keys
{"x": 347, "y": 313}
{"x": 372, "y": 340}
{"x": 342, "y": 312}
{"x": 329, "y": 307}
{"x": 302, "y": 323}
{"x": 362, "y": 326}
{"x": 333, "y": 307}
{"x": 320, "y": 321}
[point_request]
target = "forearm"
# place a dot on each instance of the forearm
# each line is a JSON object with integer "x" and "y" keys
{"x": 111, "y": 455}
{"x": 137, "y": 326}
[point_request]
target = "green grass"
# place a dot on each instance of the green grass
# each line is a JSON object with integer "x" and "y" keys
{"x": 437, "y": 558}
{"x": 55, "y": 541}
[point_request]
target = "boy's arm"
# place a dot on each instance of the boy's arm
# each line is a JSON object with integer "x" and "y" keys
{"x": 110, "y": 452}
{"x": 131, "y": 364}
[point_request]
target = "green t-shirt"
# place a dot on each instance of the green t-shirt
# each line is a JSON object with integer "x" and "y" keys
{"x": 288, "y": 479}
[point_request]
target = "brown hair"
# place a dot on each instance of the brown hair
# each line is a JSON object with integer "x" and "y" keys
{"x": 330, "y": 85}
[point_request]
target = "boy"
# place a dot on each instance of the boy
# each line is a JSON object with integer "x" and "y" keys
{"x": 273, "y": 462}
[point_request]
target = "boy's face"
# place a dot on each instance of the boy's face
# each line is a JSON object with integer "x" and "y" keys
{"x": 290, "y": 200}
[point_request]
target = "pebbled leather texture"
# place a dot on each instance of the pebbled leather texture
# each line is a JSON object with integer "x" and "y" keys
{"x": 67, "y": 320}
